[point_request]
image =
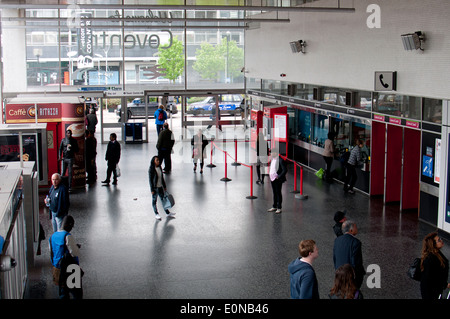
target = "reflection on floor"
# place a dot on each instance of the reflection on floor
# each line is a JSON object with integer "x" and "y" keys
{"x": 221, "y": 244}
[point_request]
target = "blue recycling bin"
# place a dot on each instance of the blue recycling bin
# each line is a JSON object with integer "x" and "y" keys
{"x": 133, "y": 132}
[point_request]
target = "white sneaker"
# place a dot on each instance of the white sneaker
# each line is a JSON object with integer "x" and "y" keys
{"x": 171, "y": 215}
{"x": 278, "y": 211}
{"x": 271, "y": 209}
{"x": 158, "y": 217}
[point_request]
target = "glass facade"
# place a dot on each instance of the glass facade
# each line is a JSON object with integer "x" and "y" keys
{"x": 135, "y": 49}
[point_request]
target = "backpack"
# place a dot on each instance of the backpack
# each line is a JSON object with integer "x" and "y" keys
{"x": 161, "y": 116}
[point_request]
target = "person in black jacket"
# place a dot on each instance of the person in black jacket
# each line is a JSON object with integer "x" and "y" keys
{"x": 434, "y": 267}
{"x": 112, "y": 157}
{"x": 66, "y": 153}
{"x": 277, "y": 174}
{"x": 164, "y": 146}
{"x": 348, "y": 250}
{"x": 157, "y": 185}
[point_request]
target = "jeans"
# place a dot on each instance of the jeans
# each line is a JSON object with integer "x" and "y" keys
{"x": 67, "y": 164}
{"x": 159, "y": 192}
{"x": 56, "y": 222}
{"x": 159, "y": 128}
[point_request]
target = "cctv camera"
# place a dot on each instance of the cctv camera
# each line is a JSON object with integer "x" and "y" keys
{"x": 7, "y": 263}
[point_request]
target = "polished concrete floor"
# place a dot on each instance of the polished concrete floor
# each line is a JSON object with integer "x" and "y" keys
{"x": 221, "y": 245}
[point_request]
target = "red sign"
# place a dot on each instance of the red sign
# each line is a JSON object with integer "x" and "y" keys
{"x": 412, "y": 124}
{"x": 378, "y": 117}
{"x": 394, "y": 120}
{"x": 26, "y": 113}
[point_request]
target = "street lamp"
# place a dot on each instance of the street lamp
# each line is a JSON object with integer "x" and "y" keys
{"x": 38, "y": 53}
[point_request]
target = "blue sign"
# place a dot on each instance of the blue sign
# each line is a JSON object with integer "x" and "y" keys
{"x": 427, "y": 166}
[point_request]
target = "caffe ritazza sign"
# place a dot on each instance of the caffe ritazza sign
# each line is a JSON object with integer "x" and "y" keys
{"x": 48, "y": 112}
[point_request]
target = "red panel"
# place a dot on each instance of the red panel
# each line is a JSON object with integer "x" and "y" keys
{"x": 377, "y": 158}
{"x": 393, "y": 163}
{"x": 411, "y": 169}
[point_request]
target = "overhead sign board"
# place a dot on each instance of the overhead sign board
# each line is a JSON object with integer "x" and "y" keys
{"x": 385, "y": 81}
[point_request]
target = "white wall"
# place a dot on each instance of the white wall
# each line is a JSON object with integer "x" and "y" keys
{"x": 342, "y": 51}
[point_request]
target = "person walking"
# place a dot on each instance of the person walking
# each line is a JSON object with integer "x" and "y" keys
{"x": 262, "y": 152}
{"x": 62, "y": 243}
{"x": 277, "y": 173}
{"x": 303, "y": 280}
{"x": 434, "y": 267}
{"x": 91, "y": 155}
{"x": 157, "y": 185}
{"x": 353, "y": 160}
{"x": 199, "y": 143}
{"x": 57, "y": 201}
{"x": 164, "y": 146}
{"x": 113, "y": 152}
{"x": 66, "y": 153}
{"x": 344, "y": 284}
{"x": 328, "y": 156}
{"x": 91, "y": 120}
{"x": 339, "y": 218}
{"x": 348, "y": 250}
{"x": 160, "y": 118}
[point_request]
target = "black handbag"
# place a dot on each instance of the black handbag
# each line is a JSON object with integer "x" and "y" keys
{"x": 414, "y": 271}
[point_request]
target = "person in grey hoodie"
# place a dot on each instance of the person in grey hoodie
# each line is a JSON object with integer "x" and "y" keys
{"x": 303, "y": 278}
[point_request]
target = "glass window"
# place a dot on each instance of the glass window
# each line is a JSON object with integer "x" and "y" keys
{"x": 304, "y": 126}
{"x": 341, "y": 128}
{"x": 320, "y": 129}
{"x": 432, "y": 110}
{"x": 397, "y": 105}
{"x": 363, "y": 132}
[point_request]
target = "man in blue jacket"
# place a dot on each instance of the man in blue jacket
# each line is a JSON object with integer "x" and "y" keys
{"x": 303, "y": 278}
{"x": 58, "y": 201}
{"x": 160, "y": 118}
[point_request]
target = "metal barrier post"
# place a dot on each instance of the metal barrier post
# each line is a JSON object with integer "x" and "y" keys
{"x": 211, "y": 163}
{"x": 295, "y": 191}
{"x": 251, "y": 184}
{"x": 235, "y": 153}
{"x": 301, "y": 195}
{"x": 225, "y": 179}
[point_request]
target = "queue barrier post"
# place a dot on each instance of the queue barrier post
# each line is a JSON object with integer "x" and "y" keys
{"x": 225, "y": 179}
{"x": 235, "y": 163}
{"x": 301, "y": 195}
{"x": 211, "y": 158}
{"x": 251, "y": 184}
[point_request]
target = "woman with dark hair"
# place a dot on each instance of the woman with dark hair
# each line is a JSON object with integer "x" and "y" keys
{"x": 434, "y": 267}
{"x": 344, "y": 284}
{"x": 157, "y": 185}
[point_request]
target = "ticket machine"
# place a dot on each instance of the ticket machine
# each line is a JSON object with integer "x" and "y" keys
{"x": 275, "y": 124}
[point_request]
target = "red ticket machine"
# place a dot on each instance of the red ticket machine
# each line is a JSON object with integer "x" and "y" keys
{"x": 256, "y": 124}
{"x": 275, "y": 123}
